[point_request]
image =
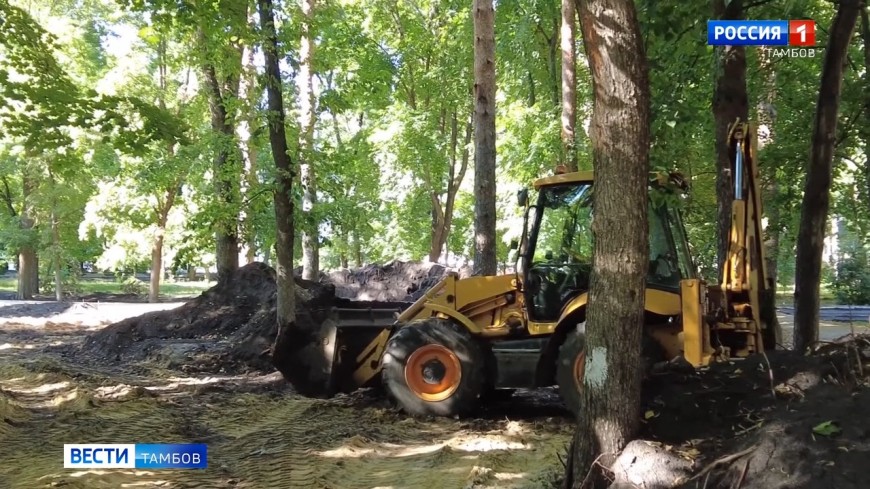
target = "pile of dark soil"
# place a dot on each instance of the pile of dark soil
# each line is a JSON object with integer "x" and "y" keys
{"x": 394, "y": 281}
{"x": 781, "y": 421}
{"x": 229, "y": 328}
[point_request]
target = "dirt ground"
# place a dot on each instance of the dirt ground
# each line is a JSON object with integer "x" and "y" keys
{"x": 200, "y": 372}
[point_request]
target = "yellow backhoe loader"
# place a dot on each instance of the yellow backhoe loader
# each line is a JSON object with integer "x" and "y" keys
{"x": 466, "y": 337}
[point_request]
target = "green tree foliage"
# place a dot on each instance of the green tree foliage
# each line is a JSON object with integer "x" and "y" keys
{"x": 81, "y": 97}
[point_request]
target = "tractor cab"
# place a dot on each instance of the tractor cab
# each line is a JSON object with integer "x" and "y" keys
{"x": 556, "y": 253}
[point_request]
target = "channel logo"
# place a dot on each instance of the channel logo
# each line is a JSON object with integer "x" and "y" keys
{"x": 798, "y": 33}
{"x": 135, "y": 456}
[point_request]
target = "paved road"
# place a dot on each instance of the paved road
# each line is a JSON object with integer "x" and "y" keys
{"x": 97, "y": 314}
{"x": 828, "y": 330}
{"x": 85, "y": 314}
{"x": 838, "y": 313}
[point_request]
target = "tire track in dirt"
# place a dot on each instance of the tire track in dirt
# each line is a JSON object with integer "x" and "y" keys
{"x": 259, "y": 440}
{"x": 259, "y": 434}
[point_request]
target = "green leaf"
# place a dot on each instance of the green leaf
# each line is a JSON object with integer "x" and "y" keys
{"x": 827, "y": 428}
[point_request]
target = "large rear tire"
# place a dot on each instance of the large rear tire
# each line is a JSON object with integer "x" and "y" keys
{"x": 570, "y": 367}
{"x": 434, "y": 367}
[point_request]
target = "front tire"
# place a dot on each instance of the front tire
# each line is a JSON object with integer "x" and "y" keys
{"x": 434, "y": 367}
{"x": 570, "y": 368}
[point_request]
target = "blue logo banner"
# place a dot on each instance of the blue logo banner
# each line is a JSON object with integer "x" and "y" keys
{"x": 747, "y": 32}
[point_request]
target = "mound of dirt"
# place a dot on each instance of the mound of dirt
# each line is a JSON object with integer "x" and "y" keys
{"x": 229, "y": 328}
{"x": 394, "y": 281}
{"x": 781, "y": 421}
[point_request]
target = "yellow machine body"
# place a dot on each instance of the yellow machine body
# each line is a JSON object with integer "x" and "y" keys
{"x": 701, "y": 323}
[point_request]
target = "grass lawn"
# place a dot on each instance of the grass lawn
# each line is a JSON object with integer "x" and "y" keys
{"x": 785, "y": 297}
{"x": 171, "y": 289}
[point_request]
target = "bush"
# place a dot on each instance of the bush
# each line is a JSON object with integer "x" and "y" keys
{"x": 852, "y": 281}
{"x": 132, "y": 285}
{"x": 4, "y": 267}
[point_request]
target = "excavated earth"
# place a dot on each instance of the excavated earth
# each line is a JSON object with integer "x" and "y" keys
{"x": 202, "y": 373}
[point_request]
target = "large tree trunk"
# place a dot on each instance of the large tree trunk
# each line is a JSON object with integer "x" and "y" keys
{"x": 817, "y": 189}
{"x": 225, "y": 169}
{"x": 310, "y": 234}
{"x": 569, "y": 85}
{"x": 28, "y": 262}
{"x": 610, "y": 402}
{"x": 730, "y": 102}
{"x": 484, "y": 138}
{"x": 285, "y": 171}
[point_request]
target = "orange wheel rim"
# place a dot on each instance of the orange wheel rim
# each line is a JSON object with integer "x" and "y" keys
{"x": 433, "y": 373}
{"x": 579, "y": 369}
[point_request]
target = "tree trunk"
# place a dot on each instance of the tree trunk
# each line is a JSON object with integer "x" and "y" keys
{"x": 157, "y": 247}
{"x": 250, "y": 93}
{"x": 553, "y": 61}
{"x": 569, "y": 85}
{"x": 156, "y": 265}
{"x": 442, "y": 220}
{"x": 766, "y": 114}
{"x": 55, "y": 242}
{"x": 226, "y": 172}
{"x": 484, "y": 138}
{"x": 620, "y": 148}
{"x": 167, "y": 200}
{"x": 357, "y": 249}
{"x": 28, "y": 264}
{"x": 310, "y": 233}
{"x": 730, "y": 102}
{"x": 814, "y": 208}
{"x": 865, "y": 132}
{"x": 283, "y": 197}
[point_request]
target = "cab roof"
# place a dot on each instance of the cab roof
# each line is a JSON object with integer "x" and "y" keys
{"x": 572, "y": 177}
{"x": 586, "y": 176}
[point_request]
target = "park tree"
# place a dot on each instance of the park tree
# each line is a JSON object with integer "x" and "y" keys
{"x": 307, "y": 111}
{"x": 285, "y": 170}
{"x": 817, "y": 185}
{"x": 610, "y": 400}
{"x": 484, "y": 138}
{"x": 569, "y": 84}
{"x": 221, "y": 53}
{"x": 730, "y": 103}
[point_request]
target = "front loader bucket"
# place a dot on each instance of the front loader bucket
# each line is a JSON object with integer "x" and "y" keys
{"x": 359, "y": 337}
{"x": 343, "y": 355}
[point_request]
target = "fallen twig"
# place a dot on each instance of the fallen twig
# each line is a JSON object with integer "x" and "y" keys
{"x": 724, "y": 460}
{"x": 751, "y": 428}
{"x": 742, "y": 475}
{"x": 706, "y": 480}
{"x": 854, "y": 345}
{"x": 770, "y": 374}
{"x": 591, "y": 468}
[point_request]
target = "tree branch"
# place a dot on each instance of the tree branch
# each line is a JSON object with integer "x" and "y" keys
{"x": 7, "y": 197}
{"x": 756, "y": 4}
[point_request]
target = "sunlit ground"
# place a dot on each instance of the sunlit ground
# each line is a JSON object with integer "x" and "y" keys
{"x": 257, "y": 437}
{"x": 169, "y": 289}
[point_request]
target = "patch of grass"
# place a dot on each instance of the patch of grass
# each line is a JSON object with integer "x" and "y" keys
{"x": 108, "y": 286}
{"x": 785, "y": 296}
